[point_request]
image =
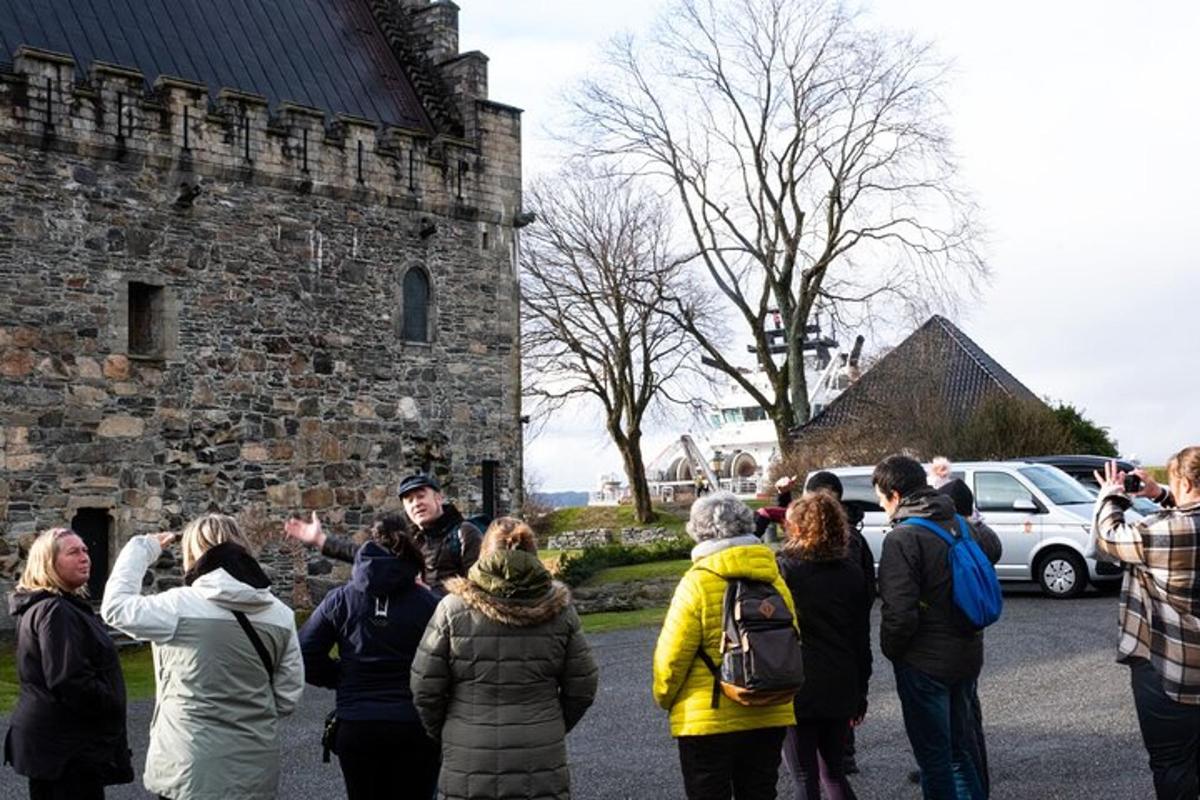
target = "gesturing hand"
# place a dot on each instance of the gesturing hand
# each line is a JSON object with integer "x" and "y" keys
{"x": 309, "y": 533}
{"x": 1111, "y": 478}
{"x": 165, "y": 538}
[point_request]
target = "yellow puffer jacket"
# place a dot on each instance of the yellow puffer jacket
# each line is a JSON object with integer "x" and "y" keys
{"x": 682, "y": 683}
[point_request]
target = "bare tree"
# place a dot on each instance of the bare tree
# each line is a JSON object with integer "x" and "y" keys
{"x": 594, "y": 275}
{"x": 810, "y": 162}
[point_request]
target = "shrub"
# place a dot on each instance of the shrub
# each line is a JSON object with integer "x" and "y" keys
{"x": 575, "y": 568}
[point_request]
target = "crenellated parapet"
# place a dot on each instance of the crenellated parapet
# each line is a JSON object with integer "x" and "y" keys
{"x": 106, "y": 111}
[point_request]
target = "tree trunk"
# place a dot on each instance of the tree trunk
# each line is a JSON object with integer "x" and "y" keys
{"x": 635, "y": 470}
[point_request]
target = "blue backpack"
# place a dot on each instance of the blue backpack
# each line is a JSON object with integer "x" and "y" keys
{"x": 976, "y": 587}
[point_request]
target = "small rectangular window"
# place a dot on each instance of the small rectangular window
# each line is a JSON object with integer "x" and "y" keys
{"x": 488, "y": 478}
{"x": 145, "y": 319}
{"x": 484, "y": 241}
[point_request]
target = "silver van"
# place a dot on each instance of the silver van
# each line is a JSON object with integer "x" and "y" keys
{"x": 1041, "y": 514}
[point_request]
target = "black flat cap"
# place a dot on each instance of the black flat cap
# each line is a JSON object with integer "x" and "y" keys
{"x": 414, "y": 482}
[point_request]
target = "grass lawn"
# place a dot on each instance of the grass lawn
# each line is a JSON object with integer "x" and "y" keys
{"x": 136, "y": 663}
{"x": 622, "y": 620}
{"x": 640, "y": 572}
{"x": 587, "y": 517}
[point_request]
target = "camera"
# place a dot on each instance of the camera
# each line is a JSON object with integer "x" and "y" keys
{"x": 1133, "y": 484}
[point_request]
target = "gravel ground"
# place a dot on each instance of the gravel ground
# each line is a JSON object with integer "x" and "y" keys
{"x": 1059, "y": 719}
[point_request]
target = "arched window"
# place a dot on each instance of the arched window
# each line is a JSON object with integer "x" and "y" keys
{"x": 416, "y": 306}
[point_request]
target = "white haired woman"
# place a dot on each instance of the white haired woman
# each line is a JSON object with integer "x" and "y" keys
{"x": 67, "y": 733}
{"x": 227, "y": 660}
{"x": 724, "y": 748}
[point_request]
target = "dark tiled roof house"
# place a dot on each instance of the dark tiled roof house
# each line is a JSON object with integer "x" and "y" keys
{"x": 936, "y": 358}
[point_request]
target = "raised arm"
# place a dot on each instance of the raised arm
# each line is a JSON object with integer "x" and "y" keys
{"x": 150, "y": 618}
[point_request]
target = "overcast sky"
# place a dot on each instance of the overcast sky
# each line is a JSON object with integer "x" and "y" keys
{"x": 1075, "y": 125}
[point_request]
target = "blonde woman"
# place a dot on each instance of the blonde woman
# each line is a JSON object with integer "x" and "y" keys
{"x": 67, "y": 733}
{"x": 503, "y": 672}
{"x": 226, "y": 657}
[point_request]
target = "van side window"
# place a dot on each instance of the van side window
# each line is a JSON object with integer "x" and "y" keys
{"x": 997, "y": 491}
{"x": 857, "y": 492}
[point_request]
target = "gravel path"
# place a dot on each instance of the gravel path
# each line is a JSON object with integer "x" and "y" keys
{"x": 1058, "y": 715}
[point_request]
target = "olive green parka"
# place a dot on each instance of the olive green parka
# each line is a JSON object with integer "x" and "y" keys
{"x": 502, "y": 673}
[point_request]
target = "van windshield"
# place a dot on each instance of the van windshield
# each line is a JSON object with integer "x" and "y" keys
{"x": 1061, "y": 488}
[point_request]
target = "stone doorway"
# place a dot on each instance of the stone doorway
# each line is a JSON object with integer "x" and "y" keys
{"x": 94, "y": 526}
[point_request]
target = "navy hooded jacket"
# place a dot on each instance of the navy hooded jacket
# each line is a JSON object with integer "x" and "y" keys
{"x": 377, "y": 621}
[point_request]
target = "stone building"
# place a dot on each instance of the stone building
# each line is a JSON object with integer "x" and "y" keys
{"x": 252, "y": 262}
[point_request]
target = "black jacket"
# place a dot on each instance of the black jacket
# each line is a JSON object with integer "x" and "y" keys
{"x": 921, "y": 626}
{"x": 71, "y": 711}
{"x": 376, "y": 621}
{"x": 447, "y": 555}
{"x": 835, "y": 631}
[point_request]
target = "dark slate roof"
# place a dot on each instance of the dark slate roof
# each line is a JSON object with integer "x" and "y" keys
{"x": 965, "y": 374}
{"x": 328, "y": 54}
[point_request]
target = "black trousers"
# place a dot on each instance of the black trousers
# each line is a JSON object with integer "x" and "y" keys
{"x": 1171, "y": 733}
{"x": 387, "y": 760}
{"x": 74, "y": 784}
{"x": 742, "y": 765}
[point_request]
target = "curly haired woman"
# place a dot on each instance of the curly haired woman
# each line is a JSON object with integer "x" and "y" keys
{"x": 831, "y": 598}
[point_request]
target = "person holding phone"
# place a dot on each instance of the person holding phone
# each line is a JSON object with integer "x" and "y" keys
{"x": 1159, "y": 611}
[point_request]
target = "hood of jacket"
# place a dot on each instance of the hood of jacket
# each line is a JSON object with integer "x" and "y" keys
{"x": 379, "y": 573}
{"x": 511, "y": 587}
{"x": 228, "y": 576}
{"x": 752, "y": 560}
{"x": 927, "y": 504}
{"x": 22, "y": 600}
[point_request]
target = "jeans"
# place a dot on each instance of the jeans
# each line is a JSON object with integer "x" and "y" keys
{"x": 940, "y": 720}
{"x": 1171, "y": 733}
{"x": 743, "y": 765}
{"x": 815, "y": 752}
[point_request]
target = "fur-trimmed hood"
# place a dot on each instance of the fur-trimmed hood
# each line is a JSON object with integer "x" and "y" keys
{"x": 512, "y": 587}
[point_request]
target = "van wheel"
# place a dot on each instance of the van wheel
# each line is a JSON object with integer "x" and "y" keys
{"x": 1062, "y": 574}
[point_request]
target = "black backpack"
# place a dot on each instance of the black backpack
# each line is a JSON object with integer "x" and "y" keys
{"x": 761, "y": 660}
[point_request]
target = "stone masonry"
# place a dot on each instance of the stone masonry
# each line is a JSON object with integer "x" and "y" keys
{"x": 266, "y": 250}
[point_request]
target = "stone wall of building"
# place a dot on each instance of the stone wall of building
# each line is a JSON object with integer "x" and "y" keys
{"x": 272, "y": 248}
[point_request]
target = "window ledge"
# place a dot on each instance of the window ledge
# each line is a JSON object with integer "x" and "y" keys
{"x": 156, "y": 357}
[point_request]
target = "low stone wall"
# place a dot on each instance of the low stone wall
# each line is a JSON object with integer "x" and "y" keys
{"x": 624, "y": 596}
{"x": 645, "y": 536}
{"x": 581, "y": 540}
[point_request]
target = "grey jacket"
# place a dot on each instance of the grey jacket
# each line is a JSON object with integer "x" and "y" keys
{"x": 214, "y": 735}
{"x": 920, "y": 625}
{"x": 502, "y": 674}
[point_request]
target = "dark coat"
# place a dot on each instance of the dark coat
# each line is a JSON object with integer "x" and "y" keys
{"x": 71, "y": 710}
{"x": 376, "y": 621}
{"x": 835, "y": 633}
{"x": 447, "y": 554}
{"x": 921, "y": 626}
{"x": 502, "y": 674}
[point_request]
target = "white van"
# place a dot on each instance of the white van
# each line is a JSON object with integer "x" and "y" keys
{"x": 1042, "y": 516}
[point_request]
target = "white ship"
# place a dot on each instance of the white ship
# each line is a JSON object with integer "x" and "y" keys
{"x": 735, "y": 437}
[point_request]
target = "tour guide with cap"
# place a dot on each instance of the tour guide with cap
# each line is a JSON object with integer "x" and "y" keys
{"x": 449, "y": 543}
